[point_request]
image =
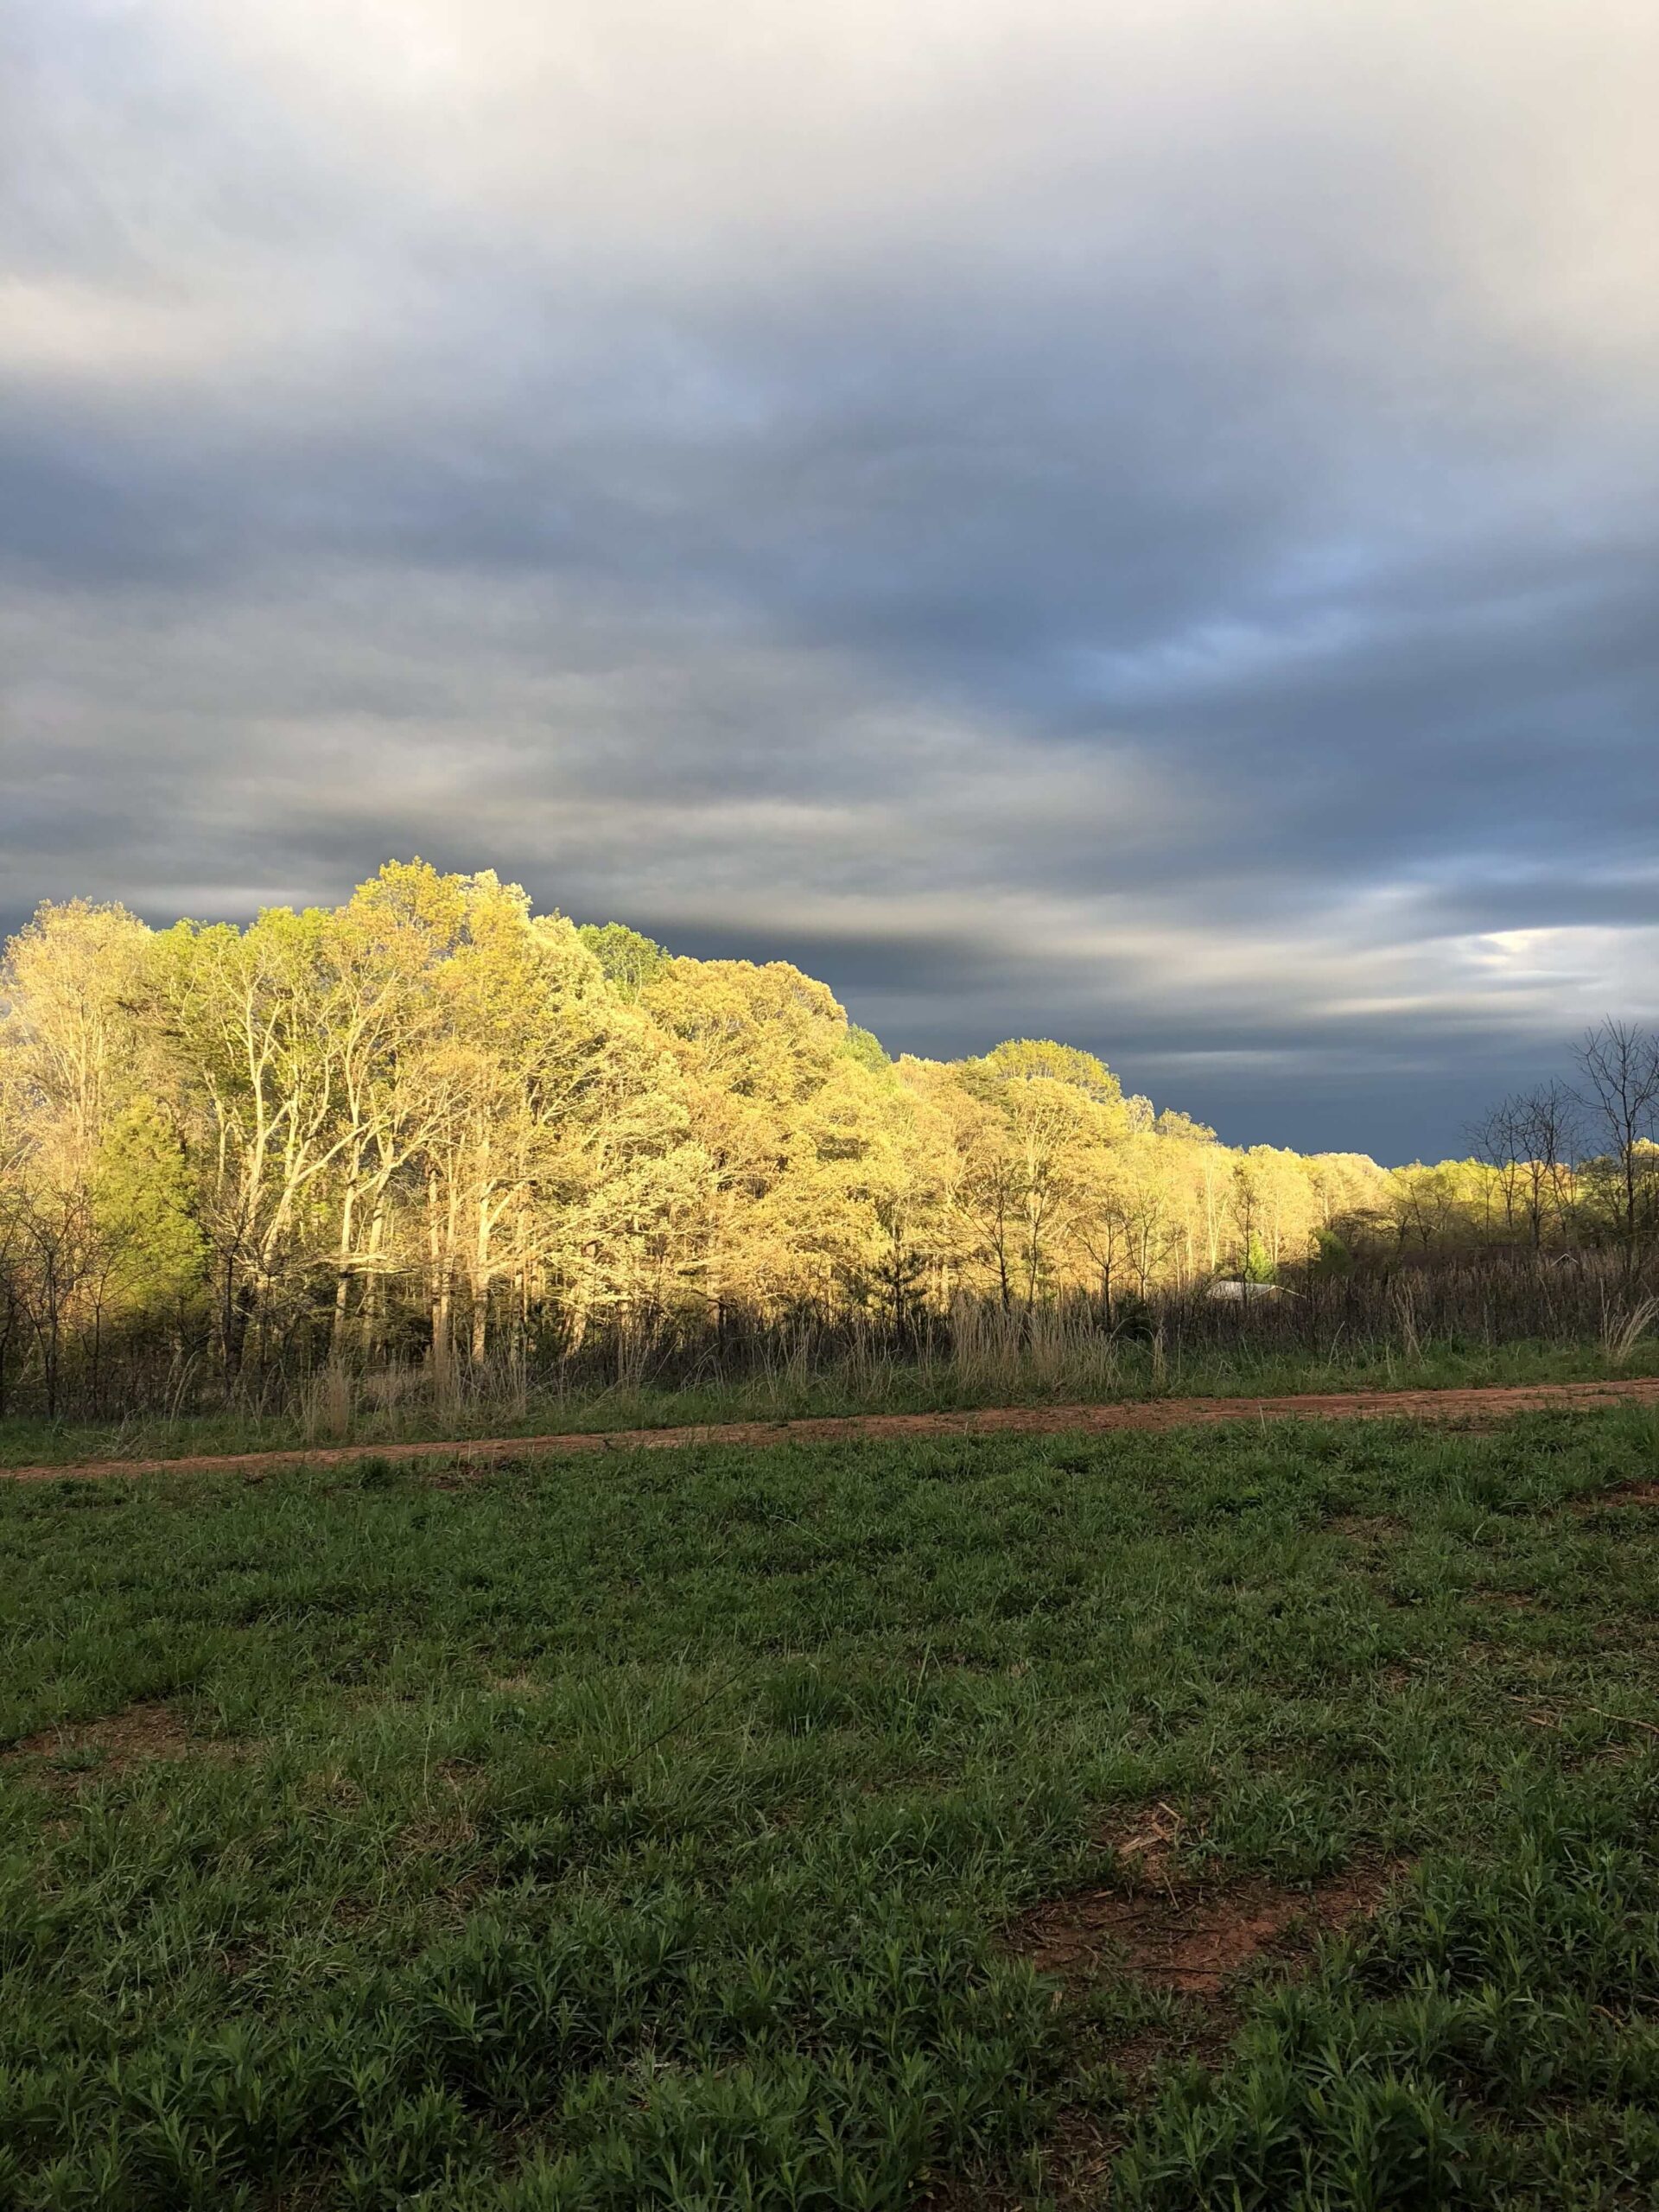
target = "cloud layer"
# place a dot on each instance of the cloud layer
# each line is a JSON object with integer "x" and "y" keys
{"x": 1131, "y": 523}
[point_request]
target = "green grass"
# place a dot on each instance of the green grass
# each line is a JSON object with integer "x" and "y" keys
{"x": 646, "y": 1833}
{"x": 1094, "y": 1371}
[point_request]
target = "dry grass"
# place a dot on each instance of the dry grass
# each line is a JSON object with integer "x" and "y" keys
{"x": 1623, "y": 1328}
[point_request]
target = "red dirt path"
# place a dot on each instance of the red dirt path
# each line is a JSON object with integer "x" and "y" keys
{"x": 1469, "y": 1407}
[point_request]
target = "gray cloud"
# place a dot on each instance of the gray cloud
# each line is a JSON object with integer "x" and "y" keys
{"x": 1134, "y": 524}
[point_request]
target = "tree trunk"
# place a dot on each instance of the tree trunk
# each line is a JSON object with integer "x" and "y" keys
{"x": 343, "y": 1271}
{"x": 481, "y": 1280}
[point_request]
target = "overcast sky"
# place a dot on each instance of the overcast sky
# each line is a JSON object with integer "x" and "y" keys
{"x": 1135, "y": 520}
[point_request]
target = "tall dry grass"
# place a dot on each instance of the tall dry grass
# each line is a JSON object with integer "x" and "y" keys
{"x": 1623, "y": 1326}
{"x": 1376, "y": 1320}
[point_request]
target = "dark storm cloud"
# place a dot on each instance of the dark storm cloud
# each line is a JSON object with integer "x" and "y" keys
{"x": 1132, "y": 525}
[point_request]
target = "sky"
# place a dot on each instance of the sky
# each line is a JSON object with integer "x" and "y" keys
{"x": 1129, "y": 520}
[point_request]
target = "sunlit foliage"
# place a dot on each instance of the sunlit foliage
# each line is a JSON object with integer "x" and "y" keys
{"x": 431, "y": 1123}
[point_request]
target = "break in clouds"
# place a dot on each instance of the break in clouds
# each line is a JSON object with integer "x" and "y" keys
{"x": 1133, "y": 522}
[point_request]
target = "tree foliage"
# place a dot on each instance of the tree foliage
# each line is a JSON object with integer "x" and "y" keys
{"x": 430, "y": 1123}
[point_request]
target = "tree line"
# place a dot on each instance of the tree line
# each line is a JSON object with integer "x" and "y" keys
{"x": 430, "y": 1123}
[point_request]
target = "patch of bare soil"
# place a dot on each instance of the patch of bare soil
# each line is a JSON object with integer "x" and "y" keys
{"x": 90, "y": 1750}
{"x": 1192, "y": 1945}
{"x": 1367, "y": 1528}
{"x": 1627, "y": 1494}
{"x": 1185, "y": 1938}
{"x": 1175, "y": 1936}
{"x": 1467, "y": 1408}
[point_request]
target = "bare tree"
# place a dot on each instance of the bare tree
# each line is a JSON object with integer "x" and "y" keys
{"x": 1497, "y": 1140}
{"x": 1545, "y": 1121}
{"x": 1618, "y": 1062}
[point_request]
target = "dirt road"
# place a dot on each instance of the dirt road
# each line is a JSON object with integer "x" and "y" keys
{"x": 1474, "y": 1407}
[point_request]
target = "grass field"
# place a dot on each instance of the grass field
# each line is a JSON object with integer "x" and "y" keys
{"x": 951, "y": 1824}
